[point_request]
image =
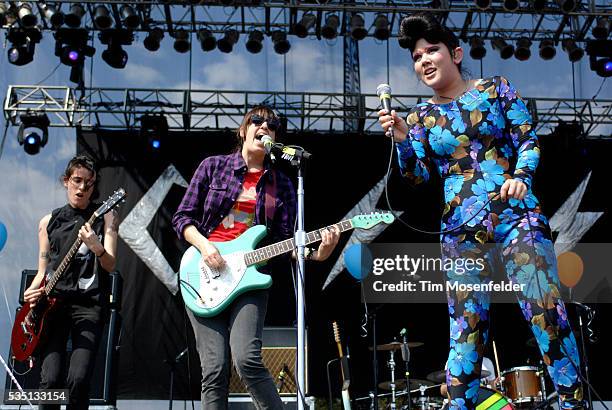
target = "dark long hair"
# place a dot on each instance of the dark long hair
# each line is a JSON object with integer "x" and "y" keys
{"x": 262, "y": 110}
{"x": 427, "y": 26}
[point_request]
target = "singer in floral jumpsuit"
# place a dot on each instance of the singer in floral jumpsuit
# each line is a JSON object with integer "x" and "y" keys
{"x": 476, "y": 142}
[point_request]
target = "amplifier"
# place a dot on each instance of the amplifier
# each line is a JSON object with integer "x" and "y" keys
{"x": 279, "y": 355}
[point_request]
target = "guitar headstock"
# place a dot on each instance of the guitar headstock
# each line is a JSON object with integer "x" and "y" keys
{"x": 336, "y": 332}
{"x": 111, "y": 202}
{"x": 367, "y": 221}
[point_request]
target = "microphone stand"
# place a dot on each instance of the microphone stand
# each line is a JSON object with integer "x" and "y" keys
{"x": 172, "y": 364}
{"x": 406, "y": 358}
{"x": 300, "y": 243}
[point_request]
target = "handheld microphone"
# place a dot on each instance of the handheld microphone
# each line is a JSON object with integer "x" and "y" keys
{"x": 384, "y": 93}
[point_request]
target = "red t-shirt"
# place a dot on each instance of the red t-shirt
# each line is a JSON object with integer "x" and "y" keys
{"x": 242, "y": 214}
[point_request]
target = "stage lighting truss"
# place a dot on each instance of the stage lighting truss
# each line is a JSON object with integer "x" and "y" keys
{"x": 31, "y": 140}
{"x": 319, "y": 19}
{"x": 217, "y": 110}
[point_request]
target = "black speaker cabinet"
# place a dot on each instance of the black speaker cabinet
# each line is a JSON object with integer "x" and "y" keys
{"x": 104, "y": 379}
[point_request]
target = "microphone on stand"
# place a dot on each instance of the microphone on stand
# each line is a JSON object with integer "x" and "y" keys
{"x": 287, "y": 153}
{"x": 405, "y": 350}
{"x": 280, "y": 379}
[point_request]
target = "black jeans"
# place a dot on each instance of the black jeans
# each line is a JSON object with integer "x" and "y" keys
{"x": 235, "y": 332}
{"x": 83, "y": 323}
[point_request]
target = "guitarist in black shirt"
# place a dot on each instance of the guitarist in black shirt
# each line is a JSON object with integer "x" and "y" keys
{"x": 81, "y": 290}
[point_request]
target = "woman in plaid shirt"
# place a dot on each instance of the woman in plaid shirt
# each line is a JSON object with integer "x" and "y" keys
{"x": 226, "y": 196}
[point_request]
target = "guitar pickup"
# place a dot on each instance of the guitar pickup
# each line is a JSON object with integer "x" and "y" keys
{"x": 24, "y": 329}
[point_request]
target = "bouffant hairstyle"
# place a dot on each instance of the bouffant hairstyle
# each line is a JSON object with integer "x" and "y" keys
{"x": 426, "y": 25}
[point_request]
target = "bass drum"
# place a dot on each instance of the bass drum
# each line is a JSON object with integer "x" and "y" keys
{"x": 489, "y": 399}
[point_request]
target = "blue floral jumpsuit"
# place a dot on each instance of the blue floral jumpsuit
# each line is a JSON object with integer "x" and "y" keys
{"x": 477, "y": 142}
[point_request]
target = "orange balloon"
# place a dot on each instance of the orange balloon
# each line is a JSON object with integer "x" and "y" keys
{"x": 570, "y": 268}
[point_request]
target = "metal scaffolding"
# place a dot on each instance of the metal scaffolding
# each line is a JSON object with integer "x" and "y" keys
{"x": 463, "y": 17}
{"x": 214, "y": 110}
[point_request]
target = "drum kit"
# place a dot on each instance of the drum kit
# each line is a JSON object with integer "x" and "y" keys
{"x": 520, "y": 387}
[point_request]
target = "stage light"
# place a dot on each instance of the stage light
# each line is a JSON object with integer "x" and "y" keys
{"x": 72, "y": 48}
{"x": 600, "y": 56}
{"x": 381, "y": 27}
{"x": 115, "y": 56}
{"x": 279, "y": 39}
{"x": 567, "y": 6}
{"x": 74, "y": 16}
{"x": 574, "y": 53}
{"x": 53, "y": 16}
{"x": 602, "y": 30}
{"x": 181, "y": 41}
{"x": 511, "y": 5}
{"x": 130, "y": 17}
{"x": 23, "y": 45}
{"x": 307, "y": 21}
{"x": 153, "y": 39}
{"x": 102, "y": 18}
{"x": 505, "y": 50}
{"x": 522, "y": 52}
{"x": 477, "y": 48}
{"x": 482, "y": 4}
{"x": 547, "y": 49}
{"x": 226, "y": 44}
{"x": 330, "y": 29}
{"x": 27, "y": 19}
{"x": 538, "y": 5}
{"x": 255, "y": 42}
{"x": 154, "y": 130}
{"x": 32, "y": 141}
{"x": 358, "y": 30}
{"x": 208, "y": 42}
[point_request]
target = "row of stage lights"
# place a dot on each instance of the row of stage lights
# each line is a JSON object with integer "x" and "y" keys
{"x": 72, "y": 48}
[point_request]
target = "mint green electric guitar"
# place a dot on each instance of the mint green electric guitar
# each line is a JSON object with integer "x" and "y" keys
{"x": 207, "y": 292}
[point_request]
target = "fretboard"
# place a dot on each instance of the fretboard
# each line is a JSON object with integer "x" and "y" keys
{"x": 279, "y": 248}
{"x": 66, "y": 261}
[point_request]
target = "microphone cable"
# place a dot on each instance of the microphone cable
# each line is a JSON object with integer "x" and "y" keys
{"x": 414, "y": 228}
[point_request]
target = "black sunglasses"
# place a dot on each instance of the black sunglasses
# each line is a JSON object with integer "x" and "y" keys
{"x": 273, "y": 122}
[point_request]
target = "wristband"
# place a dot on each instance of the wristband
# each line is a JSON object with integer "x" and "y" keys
{"x": 102, "y": 254}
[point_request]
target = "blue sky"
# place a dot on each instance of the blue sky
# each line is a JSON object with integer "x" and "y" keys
{"x": 29, "y": 185}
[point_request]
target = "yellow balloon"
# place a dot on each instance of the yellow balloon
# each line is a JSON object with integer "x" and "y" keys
{"x": 570, "y": 268}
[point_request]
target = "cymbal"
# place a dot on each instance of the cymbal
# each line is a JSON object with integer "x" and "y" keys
{"x": 439, "y": 376}
{"x": 396, "y": 346}
{"x": 401, "y": 384}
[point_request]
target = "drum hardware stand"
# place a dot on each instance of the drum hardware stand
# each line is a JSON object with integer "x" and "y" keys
{"x": 542, "y": 381}
{"x": 583, "y": 308}
{"x": 391, "y": 364}
{"x": 406, "y": 359}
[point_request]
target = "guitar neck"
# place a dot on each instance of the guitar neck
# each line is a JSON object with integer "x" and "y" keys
{"x": 66, "y": 261}
{"x": 288, "y": 245}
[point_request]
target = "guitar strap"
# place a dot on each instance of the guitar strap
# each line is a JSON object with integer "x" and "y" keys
{"x": 270, "y": 198}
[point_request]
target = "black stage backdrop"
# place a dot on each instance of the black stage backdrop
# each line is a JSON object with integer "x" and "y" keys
{"x": 343, "y": 169}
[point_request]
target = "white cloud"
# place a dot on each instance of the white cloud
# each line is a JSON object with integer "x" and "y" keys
{"x": 139, "y": 75}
